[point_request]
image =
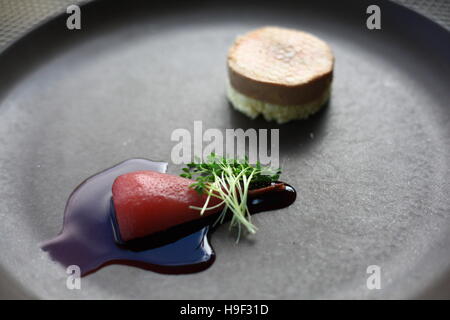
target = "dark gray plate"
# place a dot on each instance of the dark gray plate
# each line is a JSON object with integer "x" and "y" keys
{"x": 373, "y": 181}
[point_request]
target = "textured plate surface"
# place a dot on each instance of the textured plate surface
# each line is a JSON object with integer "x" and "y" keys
{"x": 372, "y": 170}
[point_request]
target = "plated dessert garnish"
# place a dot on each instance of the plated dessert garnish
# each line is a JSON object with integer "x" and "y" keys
{"x": 136, "y": 214}
{"x": 281, "y": 74}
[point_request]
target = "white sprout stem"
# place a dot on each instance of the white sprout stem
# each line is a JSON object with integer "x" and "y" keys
{"x": 228, "y": 188}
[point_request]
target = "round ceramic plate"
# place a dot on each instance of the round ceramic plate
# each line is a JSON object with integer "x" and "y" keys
{"x": 372, "y": 170}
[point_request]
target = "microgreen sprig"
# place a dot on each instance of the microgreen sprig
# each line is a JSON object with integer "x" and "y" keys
{"x": 229, "y": 180}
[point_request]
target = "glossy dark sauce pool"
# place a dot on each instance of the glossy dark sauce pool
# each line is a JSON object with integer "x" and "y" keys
{"x": 89, "y": 240}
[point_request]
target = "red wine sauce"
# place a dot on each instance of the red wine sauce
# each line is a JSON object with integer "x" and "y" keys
{"x": 89, "y": 238}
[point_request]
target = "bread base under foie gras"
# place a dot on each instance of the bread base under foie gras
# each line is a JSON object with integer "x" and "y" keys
{"x": 282, "y": 74}
{"x": 273, "y": 112}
